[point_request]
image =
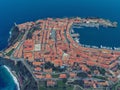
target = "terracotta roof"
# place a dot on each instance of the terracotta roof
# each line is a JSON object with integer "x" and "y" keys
{"x": 62, "y": 76}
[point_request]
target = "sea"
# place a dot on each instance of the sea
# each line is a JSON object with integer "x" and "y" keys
{"x": 7, "y": 80}
{"x": 21, "y": 11}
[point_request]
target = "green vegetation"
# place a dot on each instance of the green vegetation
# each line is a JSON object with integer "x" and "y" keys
{"x": 28, "y": 82}
{"x": 82, "y": 74}
{"x": 116, "y": 86}
{"x": 10, "y": 52}
{"x": 69, "y": 88}
{"x": 20, "y": 36}
{"x": 29, "y": 35}
{"x": 79, "y": 82}
{"x": 100, "y": 77}
{"x": 49, "y": 65}
{"x": 42, "y": 88}
{"x": 60, "y": 86}
{"x": 14, "y": 34}
{"x": 100, "y": 69}
{"x": 55, "y": 75}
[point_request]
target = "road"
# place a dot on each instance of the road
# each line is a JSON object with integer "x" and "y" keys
{"x": 22, "y": 60}
{"x": 18, "y": 47}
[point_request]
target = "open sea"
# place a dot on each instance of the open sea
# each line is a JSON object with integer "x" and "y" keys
{"x": 21, "y": 11}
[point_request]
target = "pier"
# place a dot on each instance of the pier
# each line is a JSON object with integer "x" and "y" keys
{"x": 75, "y": 35}
{"x": 80, "y": 25}
{"x": 93, "y": 23}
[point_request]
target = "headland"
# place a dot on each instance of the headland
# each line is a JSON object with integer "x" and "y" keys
{"x": 49, "y": 52}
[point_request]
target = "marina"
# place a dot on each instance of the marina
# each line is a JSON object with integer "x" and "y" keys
{"x": 94, "y": 24}
{"x": 98, "y": 37}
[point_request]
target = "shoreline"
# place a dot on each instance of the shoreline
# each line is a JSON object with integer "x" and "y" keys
{"x": 10, "y": 33}
{"x": 84, "y": 45}
{"x": 14, "y": 78}
{"x": 117, "y": 49}
{"x": 19, "y": 73}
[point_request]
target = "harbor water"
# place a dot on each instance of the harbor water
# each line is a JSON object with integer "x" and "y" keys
{"x": 21, "y": 11}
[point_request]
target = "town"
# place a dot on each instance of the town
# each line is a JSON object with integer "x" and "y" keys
{"x": 49, "y": 51}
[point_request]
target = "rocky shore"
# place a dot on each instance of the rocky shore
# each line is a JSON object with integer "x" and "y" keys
{"x": 23, "y": 76}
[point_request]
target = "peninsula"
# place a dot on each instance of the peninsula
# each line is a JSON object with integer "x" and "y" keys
{"x": 47, "y": 50}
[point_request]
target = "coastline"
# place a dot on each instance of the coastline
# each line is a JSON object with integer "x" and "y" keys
{"x": 10, "y": 35}
{"x": 14, "y": 78}
{"x": 23, "y": 79}
{"x": 113, "y": 48}
{"x": 84, "y": 45}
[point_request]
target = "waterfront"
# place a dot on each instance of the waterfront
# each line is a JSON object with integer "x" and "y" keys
{"x": 30, "y": 11}
{"x": 60, "y": 42}
{"x": 102, "y": 37}
{"x": 82, "y": 8}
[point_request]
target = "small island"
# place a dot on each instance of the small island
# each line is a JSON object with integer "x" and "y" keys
{"x": 45, "y": 56}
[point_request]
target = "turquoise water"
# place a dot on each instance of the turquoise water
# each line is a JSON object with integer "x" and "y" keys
{"x": 6, "y": 80}
{"x": 20, "y": 11}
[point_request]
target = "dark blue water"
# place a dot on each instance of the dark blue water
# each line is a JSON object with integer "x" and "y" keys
{"x": 107, "y": 37}
{"x": 6, "y": 80}
{"x": 20, "y": 11}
